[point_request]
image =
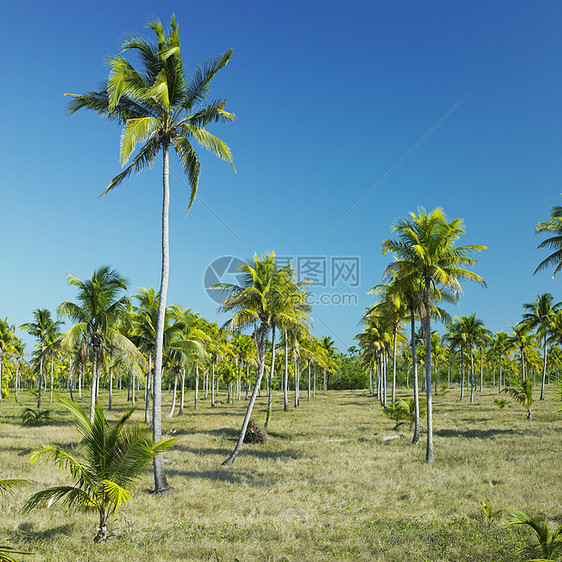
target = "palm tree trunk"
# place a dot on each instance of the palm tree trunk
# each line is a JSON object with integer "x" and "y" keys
{"x": 308, "y": 396}
{"x": 462, "y": 372}
{"x": 286, "y": 377}
{"x": 52, "y": 379}
{"x": 147, "y": 391}
{"x": 427, "y": 334}
{"x": 182, "y": 402}
{"x": 261, "y": 348}
{"x": 270, "y": 390}
{"x": 173, "y": 406}
{"x": 40, "y": 386}
{"x": 213, "y": 382}
{"x": 325, "y": 380}
{"x": 394, "y": 366}
{"x": 314, "y": 382}
{"x": 110, "y": 388}
{"x": 416, "y": 436}
{"x": 93, "y": 393}
{"x": 543, "y": 368}
{"x": 160, "y": 481}
{"x": 471, "y": 376}
{"x": 196, "y": 399}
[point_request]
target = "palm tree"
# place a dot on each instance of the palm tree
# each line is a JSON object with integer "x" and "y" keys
{"x": 539, "y": 315}
{"x": 95, "y": 317}
{"x": 43, "y": 329}
{"x": 502, "y": 347}
{"x": 472, "y": 332}
{"x": 255, "y": 303}
{"x": 113, "y": 459}
{"x": 426, "y": 251}
{"x": 6, "y": 342}
{"x": 554, "y": 225}
{"x": 330, "y": 348}
{"x": 522, "y": 392}
{"x": 160, "y": 108}
{"x": 524, "y": 341}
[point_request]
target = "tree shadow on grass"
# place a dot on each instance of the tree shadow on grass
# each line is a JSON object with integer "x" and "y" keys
{"x": 248, "y": 477}
{"x": 246, "y": 451}
{"x": 479, "y": 433}
{"x": 27, "y": 533}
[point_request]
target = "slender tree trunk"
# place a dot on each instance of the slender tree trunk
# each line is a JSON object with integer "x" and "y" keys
{"x": 500, "y": 376}
{"x": 270, "y": 391}
{"x": 286, "y": 377}
{"x": 261, "y": 348}
{"x": 196, "y": 386}
{"x": 394, "y": 366}
{"x": 314, "y": 382}
{"x": 416, "y": 436}
{"x": 173, "y": 406}
{"x": 471, "y": 376}
{"x": 110, "y": 388}
{"x": 213, "y": 382}
{"x": 247, "y": 379}
{"x": 462, "y": 373}
{"x": 40, "y": 385}
{"x": 309, "y": 380}
{"x": 52, "y": 379}
{"x": 93, "y": 393}
{"x": 182, "y": 402}
{"x": 160, "y": 480}
{"x": 325, "y": 380}
{"x": 427, "y": 333}
{"x": 147, "y": 391}
{"x": 543, "y": 368}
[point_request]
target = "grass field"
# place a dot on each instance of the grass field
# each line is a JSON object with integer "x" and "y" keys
{"x": 324, "y": 487}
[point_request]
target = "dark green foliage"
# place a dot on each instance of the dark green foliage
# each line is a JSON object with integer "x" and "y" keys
{"x": 350, "y": 375}
{"x": 550, "y": 544}
{"x": 31, "y": 416}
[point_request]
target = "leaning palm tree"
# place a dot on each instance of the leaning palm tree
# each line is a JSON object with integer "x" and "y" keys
{"x": 539, "y": 316}
{"x": 426, "y": 251}
{"x": 159, "y": 107}
{"x": 255, "y": 303}
{"x": 114, "y": 458}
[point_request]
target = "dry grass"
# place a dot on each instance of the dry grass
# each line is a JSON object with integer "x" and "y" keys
{"x": 325, "y": 486}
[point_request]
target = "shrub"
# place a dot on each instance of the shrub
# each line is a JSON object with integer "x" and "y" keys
{"x": 254, "y": 433}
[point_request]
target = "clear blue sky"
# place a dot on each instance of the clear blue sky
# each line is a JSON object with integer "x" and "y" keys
{"x": 329, "y": 96}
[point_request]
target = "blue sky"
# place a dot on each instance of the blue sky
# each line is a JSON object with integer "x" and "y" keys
{"x": 329, "y": 96}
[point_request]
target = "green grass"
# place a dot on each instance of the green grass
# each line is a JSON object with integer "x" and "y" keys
{"x": 312, "y": 499}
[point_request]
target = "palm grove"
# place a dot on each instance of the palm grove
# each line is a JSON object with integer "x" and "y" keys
{"x": 138, "y": 344}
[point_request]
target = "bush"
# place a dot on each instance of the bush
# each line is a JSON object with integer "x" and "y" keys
{"x": 35, "y": 417}
{"x": 254, "y": 433}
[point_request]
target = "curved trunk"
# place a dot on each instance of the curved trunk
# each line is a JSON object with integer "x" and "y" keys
{"x": 416, "y": 436}
{"x": 261, "y": 348}
{"x": 160, "y": 481}
{"x": 270, "y": 390}
{"x": 173, "y": 406}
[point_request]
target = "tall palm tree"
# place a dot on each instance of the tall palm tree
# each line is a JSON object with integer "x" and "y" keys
{"x": 96, "y": 313}
{"x": 524, "y": 341}
{"x": 472, "y": 331}
{"x": 255, "y": 302}
{"x": 330, "y": 348}
{"x": 43, "y": 329}
{"x": 502, "y": 346}
{"x": 159, "y": 107}
{"x": 539, "y": 316}
{"x": 426, "y": 251}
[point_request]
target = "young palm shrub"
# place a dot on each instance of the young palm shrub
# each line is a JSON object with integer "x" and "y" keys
{"x": 500, "y": 403}
{"x": 522, "y": 392}
{"x": 550, "y": 544}
{"x": 489, "y": 512}
{"x": 404, "y": 411}
{"x": 35, "y": 417}
{"x": 114, "y": 457}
